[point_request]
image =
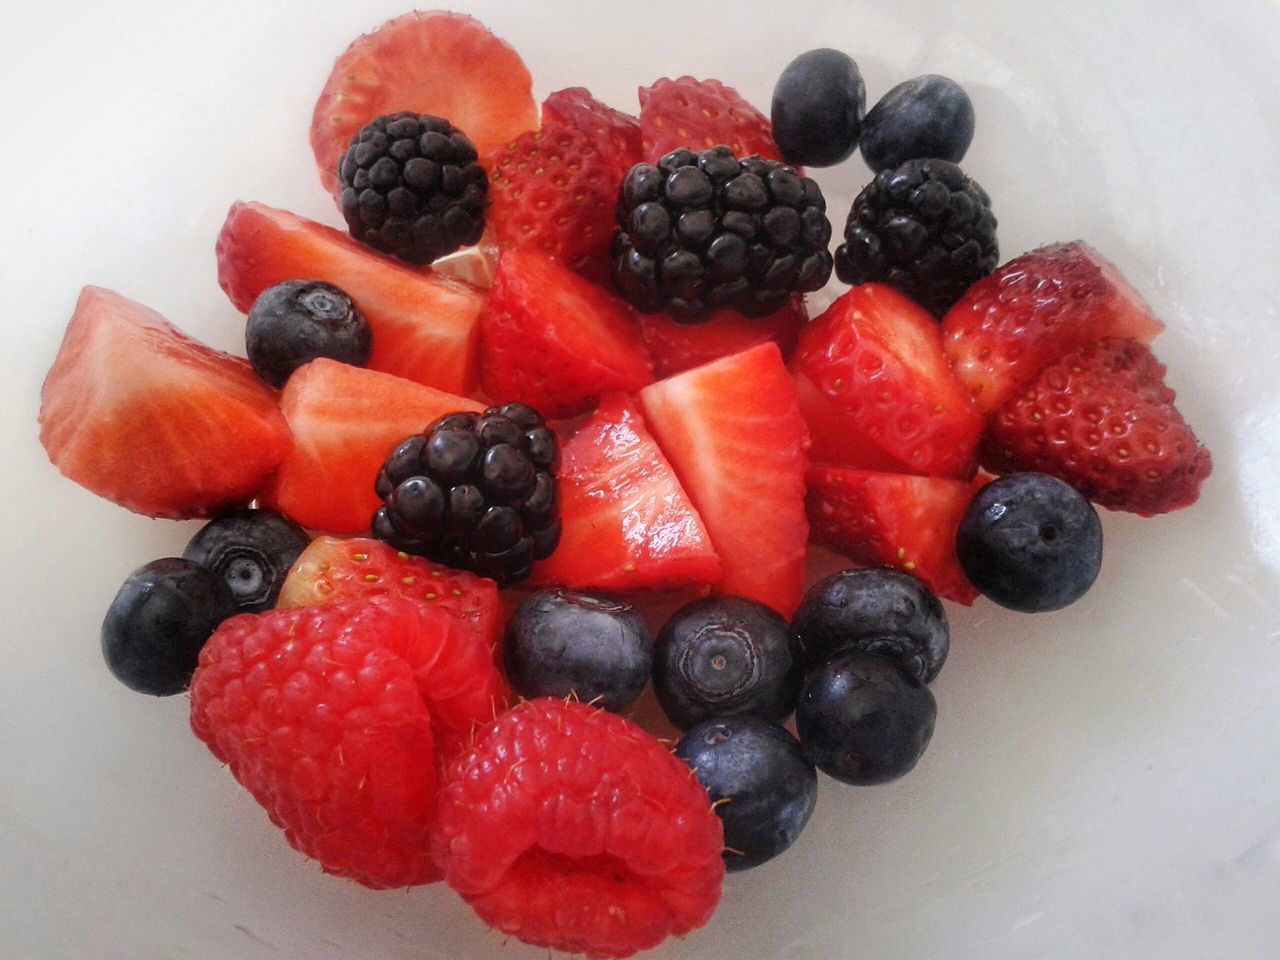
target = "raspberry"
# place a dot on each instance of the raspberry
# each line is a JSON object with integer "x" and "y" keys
{"x": 331, "y": 716}
{"x": 572, "y": 828}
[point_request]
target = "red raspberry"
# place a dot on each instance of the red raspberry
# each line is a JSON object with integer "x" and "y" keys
{"x": 572, "y": 828}
{"x": 330, "y": 716}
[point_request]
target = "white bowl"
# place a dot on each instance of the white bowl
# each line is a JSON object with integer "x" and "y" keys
{"x": 1104, "y": 781}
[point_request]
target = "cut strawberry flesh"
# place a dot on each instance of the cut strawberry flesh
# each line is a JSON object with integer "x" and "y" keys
{"x": 345, "y": 420}
{"x": 439, "y": 63}
{"x": 1033, "y": 310}
{"x": 554, "y": 341}
{"x": 893, "y": 520}
{"x": 877, "y": 392}
{"x": 141, "y": 414}
{"x": 425, "y": 327}
{"x": 733, "y": 432}
{"x": 628, "y": 524}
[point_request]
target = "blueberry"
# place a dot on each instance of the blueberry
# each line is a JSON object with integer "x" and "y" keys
{"x": 930, "y": 116}
{"x": 725, "y": 656}
{"x": 297, "y": 321}
{"x": 157, "y": 623}
{"x": 770, "y": 785}
{"x": 863, "y": 719}
{"x": 252, "y": 550}
{"x": 561, "y": 642}
{"x": 879, "y": 611}
{"x": 1030, "y": 542}
{"x": 817, "y": 108}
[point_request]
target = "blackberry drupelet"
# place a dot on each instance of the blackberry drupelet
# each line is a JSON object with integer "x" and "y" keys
{"x": 703, "y": 231}
{"x": 924, "y": 228}
{"x": 412, "y": 187}
{"x": 474, "y": 491}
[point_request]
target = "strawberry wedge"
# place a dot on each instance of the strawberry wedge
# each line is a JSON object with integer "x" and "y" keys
{"x": 345, "y": 420}
{"x": 628, "y": 524}
{"x": 733, "y": 432}
{"x": 426, "y": 328}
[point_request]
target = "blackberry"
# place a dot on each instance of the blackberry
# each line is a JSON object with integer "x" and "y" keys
{"x": 924, "y": 228}
{"x": 412, "y": 187}
{"x": 474, "y": 491}
{"x": 703, "y": 231}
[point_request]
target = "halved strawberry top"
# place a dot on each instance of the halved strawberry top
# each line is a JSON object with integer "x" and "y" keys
{"x": 876, "y": 389}
{"x": 436, "y": 62}
{"x": 615, "y": 134}
{"x": 1034, "y": 309}
{"x": 733, "y": 432}
{"x": 628, "y": 524}
{"x": 678, "y": 346}
{"x": 345, "y": 420}
{"x": 141, "y": 414}
{"x": 699, "y": 114}
{"x": 425, "y": 327}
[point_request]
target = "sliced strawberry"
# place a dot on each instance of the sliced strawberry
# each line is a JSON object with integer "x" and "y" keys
{"x": 628, "y": 524}
{"x": 425, "y": 327}
{"x": 680, "y": 346}
{"x": 615, "y": 134}
{"x": 1033, "y": 310}
{"x": 333, "y": 568}
{"x": 555, "y": 341}
{"x": 733, "y": 432}
{"x": 139, "y": 413}
{"x": 877, "y": 392}
{"x": 894, "y": 520}
{"x": 699, "y": 114}
{"x": 1102, "y": 419}
{"x": 345, "y": 420}
{"x": 439, "y": 63}
{"x": 554, "y": 190}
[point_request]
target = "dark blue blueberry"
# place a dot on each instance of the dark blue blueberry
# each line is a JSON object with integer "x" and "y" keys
{"x": 930, "y": 116}
{"x": 561, "y": 642}
{"x": 1030, "y": 542}
{"x": 252, "y": 550}
{"x": 863, "y": 719}
{"x": 879, "y": 611}
{"x": 158, "y": 622}
{"x": 722, "y": 657}
{"x": 817, "y": 108}
{"x": 297, "y": 321}
{"x": 770, "y": 786}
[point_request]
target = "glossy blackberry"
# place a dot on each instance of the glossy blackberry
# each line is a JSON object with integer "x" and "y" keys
{"x": 412, "y": 187}
{"x": 296, "y": 321}
{"x": 924, "y": 228}
{"x": 703, "y": 231}
{"x": 474, "y": 491}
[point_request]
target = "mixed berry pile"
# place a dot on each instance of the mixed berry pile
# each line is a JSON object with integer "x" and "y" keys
{"x": 564, "y": 352}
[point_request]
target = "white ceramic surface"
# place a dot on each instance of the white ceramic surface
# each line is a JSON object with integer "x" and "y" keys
{"x": 1104, "y": 782}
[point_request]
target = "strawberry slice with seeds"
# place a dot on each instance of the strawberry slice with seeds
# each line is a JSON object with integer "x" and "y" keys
{"x": 699, "y": 114}
{"x": 345, "y": 420}
{"x": 554, "y": 341}
{"x": 554, "y": 190}
{"x": 141, "y": 414}
{"x": 439, "y": 63}
{"x": 1034, "y": 309}
{"x": 615, "y": 134}
{"x": 877, "y": 392}
{"x": 628, "y": 524}
{"x": 894, "y": 520}
{"x": 1102, "y": 420}
{"x": 680, "y": 346}
{"x": 733, "y": 432}
{"x": 425, "y": 327}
